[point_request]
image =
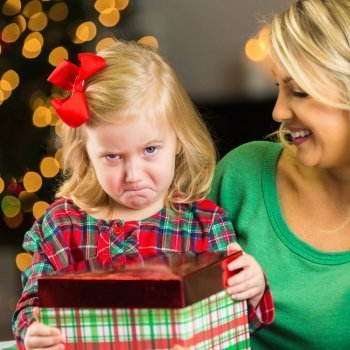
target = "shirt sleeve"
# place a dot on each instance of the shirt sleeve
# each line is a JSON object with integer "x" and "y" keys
{"x": 23, "y": 315}
{"x": 263, "y": 314}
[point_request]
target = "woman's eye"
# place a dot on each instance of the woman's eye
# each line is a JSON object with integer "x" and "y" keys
{"x": 151, "y": 149}
{"x": 300, "y": 94}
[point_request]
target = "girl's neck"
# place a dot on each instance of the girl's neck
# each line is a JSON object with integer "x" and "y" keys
{"x": 126, "y": 214}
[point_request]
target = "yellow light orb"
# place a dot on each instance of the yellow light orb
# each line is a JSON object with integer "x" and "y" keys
{"x": 38, "y": 21}
{"x": 33, "y": 45}
{"x": 42, "y": 117}
{"x": 27, "y": 200}
{"x": 10, "y": 33}
{"x": 49, "y": 167}
{"x": 54, "y": 116}
{"x": 109, "y": 17}
{"x": 39, "y": 209}
{"x": 21, "y": 22}
{"x": 31, "y": 8}
{"x": 58, "y": 128}
{"x": 102, "y": 5}
{"x": 86, "y": 31}
{"x": 32, "y": 181}
{"x": 103, "y": 43}
{"x": 121, "y": 4}
{"x": 58, "y": 12}
{"x": 11, "y": 7}
{"x": 5, "y": 85}
{"x": 23, "y": 260}
{"x": 12, "y": 78}
{"x": 10, "y": 206}
{"x": 150, "y": 41}
{"x": 57, "y": 55}
{"x": 2, "y": 184}
{"x": 5, "y": 94}
{"x": 15, "y": 221}
{"x": 254, "y": 50}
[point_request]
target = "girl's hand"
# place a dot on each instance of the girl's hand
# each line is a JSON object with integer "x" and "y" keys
{"x": 40, "y": 336}
{"x": 249, "y": 283}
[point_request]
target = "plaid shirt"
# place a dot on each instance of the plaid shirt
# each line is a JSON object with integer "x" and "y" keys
{"x": 66, "y": 235}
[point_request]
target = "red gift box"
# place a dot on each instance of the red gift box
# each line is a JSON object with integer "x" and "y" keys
{"x": 166, "y": 281}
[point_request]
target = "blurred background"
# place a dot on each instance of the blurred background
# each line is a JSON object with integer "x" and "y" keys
{"x": 211, "y": 45}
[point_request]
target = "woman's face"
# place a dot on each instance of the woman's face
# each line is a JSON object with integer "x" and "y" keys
{"x": 320, "y": 133}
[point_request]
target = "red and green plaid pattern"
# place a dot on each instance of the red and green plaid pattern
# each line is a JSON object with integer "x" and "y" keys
{"x": 213, "y": 323}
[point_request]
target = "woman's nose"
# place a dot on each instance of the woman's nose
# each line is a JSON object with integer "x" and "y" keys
{"x": 282, "y": 110}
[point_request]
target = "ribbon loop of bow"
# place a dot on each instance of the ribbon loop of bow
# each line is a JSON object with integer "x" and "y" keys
{"x": 73, "y": 110}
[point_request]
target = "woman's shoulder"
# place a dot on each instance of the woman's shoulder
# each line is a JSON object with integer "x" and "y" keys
{"x": 251, "y": 154}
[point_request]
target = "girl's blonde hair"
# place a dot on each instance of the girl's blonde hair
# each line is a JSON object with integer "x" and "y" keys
{"x": 138, "y": 80}
{"x": 311, "y": 40}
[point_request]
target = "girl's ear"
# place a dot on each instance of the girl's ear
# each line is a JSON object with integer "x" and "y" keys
{"x": 178, "y": 146}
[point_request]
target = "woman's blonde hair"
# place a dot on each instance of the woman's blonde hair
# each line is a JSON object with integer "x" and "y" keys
{"x": 311, "y": 40}
{"x": 138, "y": 79}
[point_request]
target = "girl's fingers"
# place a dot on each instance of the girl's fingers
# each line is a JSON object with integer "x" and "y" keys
{"x": 248, "y": 294}
{"x": 45, "y": 342}
{"x": 36, "y": 312}
{"x": 241, "y": 262}
{"x": 42, "y": 330}
{"x": 233, "y": 247}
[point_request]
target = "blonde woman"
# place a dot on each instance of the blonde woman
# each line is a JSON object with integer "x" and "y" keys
{"x": 290, "y": 201}
{"x": 138, "y": 162}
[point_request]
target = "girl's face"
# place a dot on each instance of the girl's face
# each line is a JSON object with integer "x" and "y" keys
{"x": 134, "y": 164}
{"x": 320, "y": 133}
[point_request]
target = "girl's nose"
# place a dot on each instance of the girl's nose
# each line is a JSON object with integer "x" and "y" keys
{"x": 133, "y": 172}
{"x": 282, "y": 111}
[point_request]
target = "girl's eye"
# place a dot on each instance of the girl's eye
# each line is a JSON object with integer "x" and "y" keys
{"x": 112, "y": 156}
{"x": 151, "y": 149}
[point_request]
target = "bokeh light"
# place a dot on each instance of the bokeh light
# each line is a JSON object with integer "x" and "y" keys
{"x": 42, "y": 117}
{"x": 86, "y": 31}
{"x": 149, "y": 40}
{"x": 57, "y": 55}
{"x": 21, "y": 22}
{"x": 38, "y": 21}
{"x": 27, "y": 200}
{"x": 103, "y": 43}
{"x": 109, "y": 17}
{"x": 23, "y": 260}
{"x": 33, "y": 45}
{"x": 49, "y": 167}
{"x": 32, "y": 181}
{"x": 39, "y": 209}
{"x": 31, "y": 8}
{"x": 10, "y": 33}
{"x": 14, "y": 222}
{"x": 11, "y": 7}
{"x": 12, "y": 78}
{"x": 121, "y": 4}
{"x": 103, "y": 5}
{"x": 58, "y": 12}
{"x": 255, "y": 50}
{"x": 10, "y": 206}
{"x": 2, "y": 184}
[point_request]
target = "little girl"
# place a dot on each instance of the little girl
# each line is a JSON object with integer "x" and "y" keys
{"x": 138, "y": 162}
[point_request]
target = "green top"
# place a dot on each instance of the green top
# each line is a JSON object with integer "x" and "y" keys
{"x": 311, "y": 288}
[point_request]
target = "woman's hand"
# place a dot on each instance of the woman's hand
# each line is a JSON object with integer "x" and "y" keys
{"x": 40, "y": 336}
{"x": 249, "y": 282}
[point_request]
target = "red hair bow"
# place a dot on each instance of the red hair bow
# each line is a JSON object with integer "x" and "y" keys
{"x": 74, "y": 110}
